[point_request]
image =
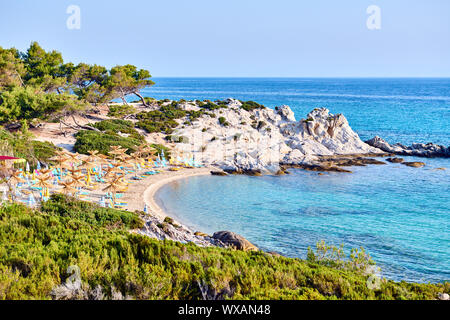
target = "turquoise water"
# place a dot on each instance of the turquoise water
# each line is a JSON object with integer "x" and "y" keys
{"x": 399, "y": 110}
{"x": 400, "y": 215}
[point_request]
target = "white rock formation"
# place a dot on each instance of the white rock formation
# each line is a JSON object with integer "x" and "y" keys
{"x": 263, "y": 138}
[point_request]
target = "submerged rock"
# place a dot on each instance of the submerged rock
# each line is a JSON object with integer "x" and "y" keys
{"x": 414, "y": 164}
{"x": 318, "y": 167}
{"x": 395, "y": 160}
{"x": 234, "y": 240}
{"x": 428, "y": 150}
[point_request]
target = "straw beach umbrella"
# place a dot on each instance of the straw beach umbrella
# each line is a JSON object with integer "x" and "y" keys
{"x": 61, "y": 158}
{"x": 116, "y": 151}
{"x": 114, "y": 186}
{"x": 77, "y": 181}
{"x": 67, "y": 188}
{"x": 42, "y": 183}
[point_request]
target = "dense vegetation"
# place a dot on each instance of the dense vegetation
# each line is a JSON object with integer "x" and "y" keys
{"x": 120, "y": 111}
{"x": 20, "y": 144}
{"x": 114, "y": 132}
{"x": 164, "y": 119}
{"x": 251, "y": 105}
{"x": 37, "y": 247}
{"x": 39, "y": 84}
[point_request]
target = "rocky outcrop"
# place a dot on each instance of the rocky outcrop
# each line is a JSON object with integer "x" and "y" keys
{"x": 234, "y": 240}
{"x": 154, "y": 228}
{"x": 218, "y": 173}
{"x": 428, "y": 150}
{"x": 258, "y": 140}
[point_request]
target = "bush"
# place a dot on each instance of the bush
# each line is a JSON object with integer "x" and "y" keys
{"x": 120, "y": 111}
{"x": 29, "y": 103}
{"x": 21, "y": 145}
{"x": 92, "y": 140}
{"x": 44, "y": 150}
{"x": 64, "y": 206}
{"x": 223, "y": 122}
{"x": 115, "y": 126}
{"x": 251, "y": 105}
{"x": 102, "y": 141}
{"x": 36, "y": 248}
{"x": 261, "y": 124}
{"x": 159, "y": 120}
{"x": 160, "y": 148}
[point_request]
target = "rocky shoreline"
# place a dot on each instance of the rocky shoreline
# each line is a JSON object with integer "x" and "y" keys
{"x": 258, "y": 140}
{"x": 231, "y": 139}
{"x": 428, "y": 150}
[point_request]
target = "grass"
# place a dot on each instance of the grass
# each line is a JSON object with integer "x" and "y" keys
{"x": 37, "y": 247}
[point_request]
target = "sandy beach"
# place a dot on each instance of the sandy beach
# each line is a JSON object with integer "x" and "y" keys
{"x": 143, "y": 192}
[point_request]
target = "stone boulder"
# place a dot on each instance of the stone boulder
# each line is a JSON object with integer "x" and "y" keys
{"x": 234, "y": 240}
{"x": 395, "y": 160}
{"x": 428, "y": 150}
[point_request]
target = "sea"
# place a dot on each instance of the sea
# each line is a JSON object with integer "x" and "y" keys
{"x": 399, "y": 215}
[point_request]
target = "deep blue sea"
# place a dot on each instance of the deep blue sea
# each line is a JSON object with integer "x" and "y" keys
{"x": 400, "y": 215}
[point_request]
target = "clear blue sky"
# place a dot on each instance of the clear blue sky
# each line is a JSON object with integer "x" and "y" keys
{"x": 255, "y": 38}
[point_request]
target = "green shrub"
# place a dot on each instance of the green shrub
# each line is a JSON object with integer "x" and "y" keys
{"x": 21, "y": 145}
{"x": 261, "y": 124}
{"x": 64, "y": 206}
{"x": 223, "y": 122}
{"x": 162, "y": 120}
{"x": 120, "y": 111}
{"x": 251, "y": 105}
{"x": 91, "y": 140}
{"x": 115, "y": 126}
{"x": 44, "y": 150}
{"x": 29, "y": 103}
{"x": 36, "y": 248}
{"x": 160, "y": 148}
{"x": 87, "y": 140}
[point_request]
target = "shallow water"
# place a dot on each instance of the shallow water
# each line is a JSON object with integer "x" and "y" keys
{"x": 400, "y": 215}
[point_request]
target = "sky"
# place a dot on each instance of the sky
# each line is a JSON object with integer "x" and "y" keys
{"x": 241, "y": 38}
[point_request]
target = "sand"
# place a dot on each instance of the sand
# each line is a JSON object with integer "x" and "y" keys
{"x": 143, "y": 192}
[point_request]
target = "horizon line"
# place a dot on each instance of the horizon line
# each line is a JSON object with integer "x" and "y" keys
{"x": 310, "y": 77}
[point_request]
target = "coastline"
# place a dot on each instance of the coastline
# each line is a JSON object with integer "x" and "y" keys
{"x": 143, "y": 193}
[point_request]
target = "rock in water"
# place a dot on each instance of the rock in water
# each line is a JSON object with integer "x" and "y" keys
{"x": 234, "y": 240}
{"x": 414, "y": 164}
{"x": 428, "y": 150}
{"x": 395, "y": 160}
{"x": 219, "y": 173}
